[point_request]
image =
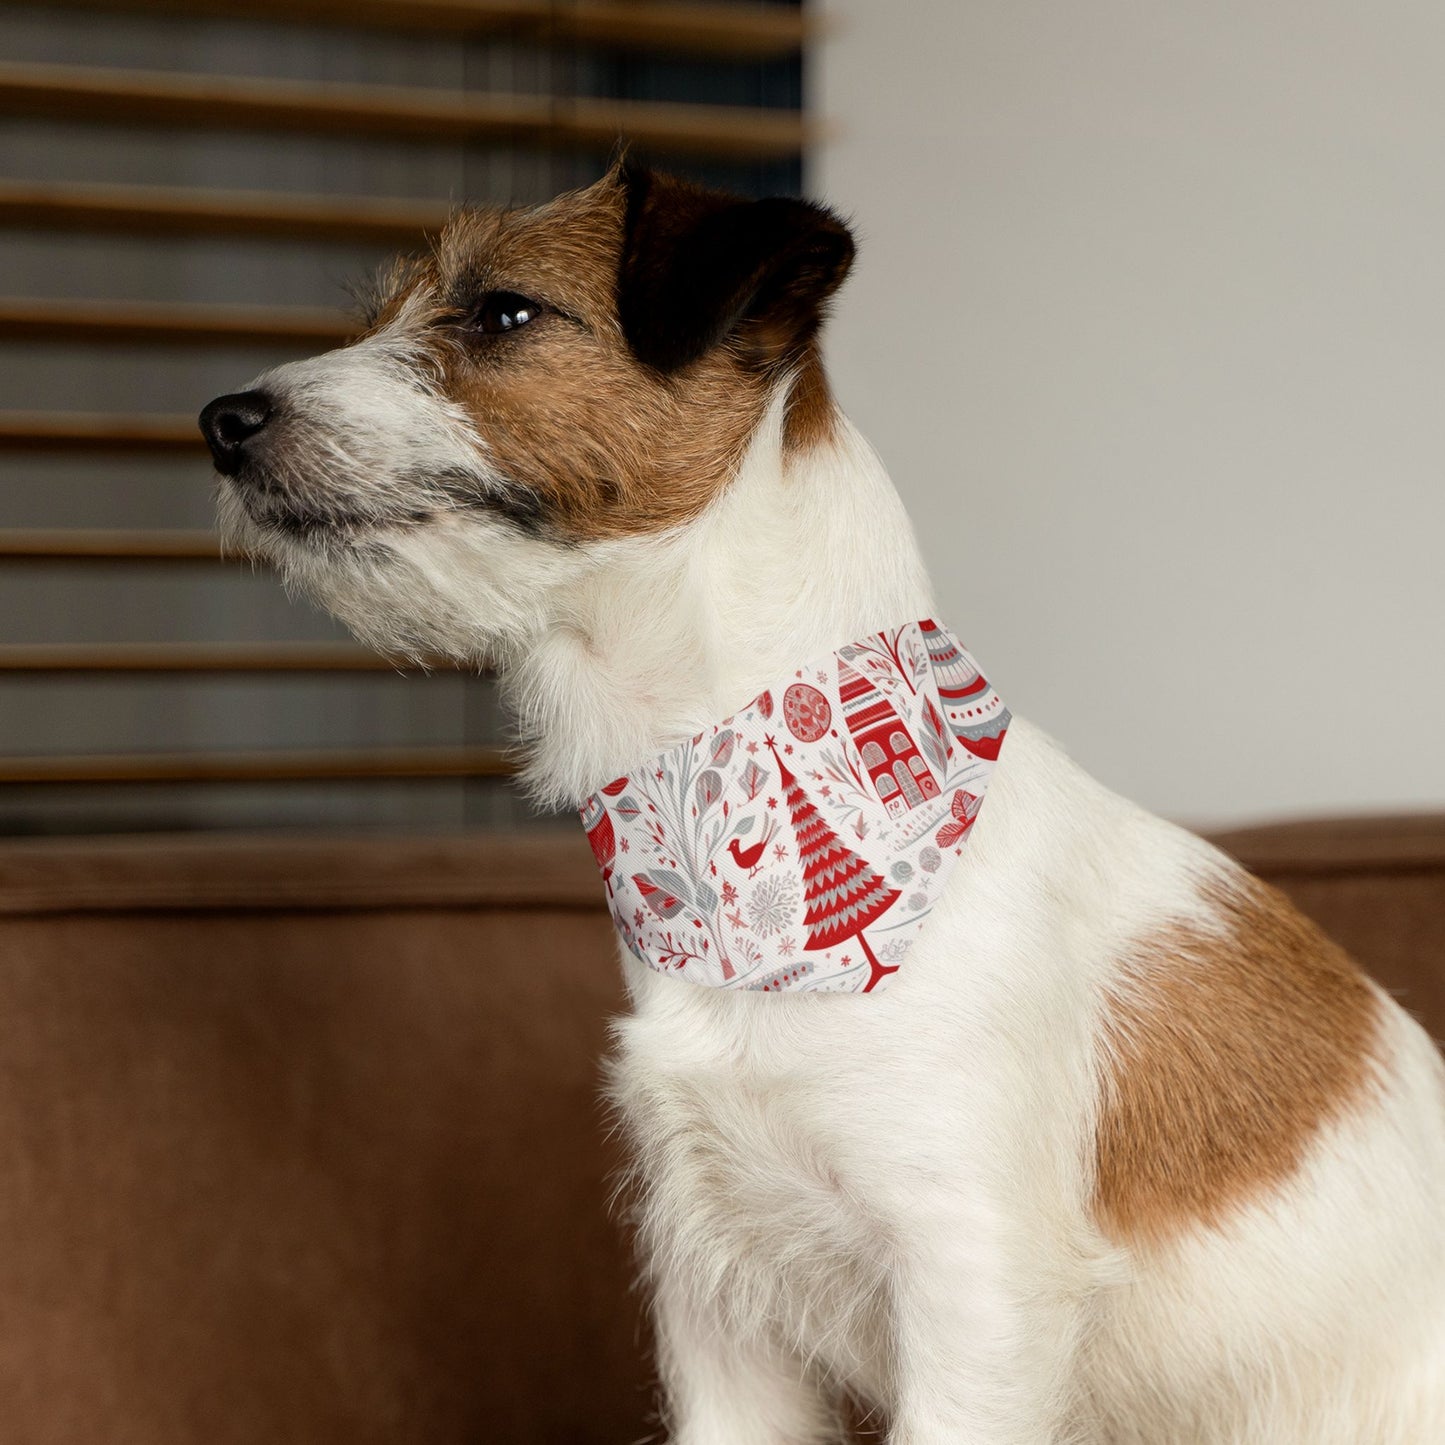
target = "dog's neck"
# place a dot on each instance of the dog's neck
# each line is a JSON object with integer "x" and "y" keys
{"x": 804, "y": 551}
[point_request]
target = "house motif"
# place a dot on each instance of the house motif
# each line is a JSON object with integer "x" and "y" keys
{"x": 974, "y": 712}
{"x": 899, "y": 773}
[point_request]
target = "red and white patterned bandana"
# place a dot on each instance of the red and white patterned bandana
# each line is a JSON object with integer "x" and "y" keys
{"x": 800, "y": 844}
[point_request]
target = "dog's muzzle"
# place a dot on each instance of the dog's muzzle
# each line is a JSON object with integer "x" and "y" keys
{"x": 231, "y": 423}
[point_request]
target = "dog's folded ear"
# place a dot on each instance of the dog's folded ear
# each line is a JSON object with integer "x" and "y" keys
{"x": 701, "y": 266}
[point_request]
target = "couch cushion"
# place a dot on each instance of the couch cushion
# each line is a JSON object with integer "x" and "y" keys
{"x": 302, "y": 1143}
{"x": 302, "y": 1140}
{"x": 1376, "y": 885}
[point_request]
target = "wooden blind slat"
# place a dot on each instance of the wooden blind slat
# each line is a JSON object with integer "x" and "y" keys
{"x": 271, "y": 766}
{"x": 172, "y": 211}
{"x": 81, "y": 544}
{"x": 755, "y": 32}
{"x": 185, "y": 657}
{"x": 217, "y": 102}
{"x": 77, "y": 431}
{"x": 171, "y": 323}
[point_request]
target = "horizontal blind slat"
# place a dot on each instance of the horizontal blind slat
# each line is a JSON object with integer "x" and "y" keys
{"x": 708, "y": 28}
{"x": 171, "y": 323}
{"x": 177, "y": 211}
{"x": 271, "y": 766}
{"x": 90, "y": 544}
{"x": 217, "y": 102}
{"x": 192, "y": 657}
{"x": 84, "y": 431}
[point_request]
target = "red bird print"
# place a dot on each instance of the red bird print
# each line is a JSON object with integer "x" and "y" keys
{"x": 750, "y": 858}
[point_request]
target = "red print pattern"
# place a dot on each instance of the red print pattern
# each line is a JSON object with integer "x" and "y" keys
{"x": 806, "y": 857}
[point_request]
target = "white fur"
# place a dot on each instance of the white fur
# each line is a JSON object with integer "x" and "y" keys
{"x": 890, "y": 1195}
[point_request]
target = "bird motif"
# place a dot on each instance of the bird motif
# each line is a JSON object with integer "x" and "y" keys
{"x": 751, "y": 858}
{"x": 600, "y": 834}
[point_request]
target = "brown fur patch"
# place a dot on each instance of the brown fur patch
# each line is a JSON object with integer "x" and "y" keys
{"x": 812, "y": 415}
{"x": 605, "y": 445}
{"x": 1227, "y": 1053}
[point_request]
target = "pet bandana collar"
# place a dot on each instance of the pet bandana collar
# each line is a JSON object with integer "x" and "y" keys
{"x": 800, "y": 844}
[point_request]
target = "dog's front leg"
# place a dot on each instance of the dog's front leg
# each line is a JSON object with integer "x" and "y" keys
{"x": 985, "y": 1336}
{"x": 723, "y": 1385}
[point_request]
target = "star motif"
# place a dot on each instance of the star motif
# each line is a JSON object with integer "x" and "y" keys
{"x": 772, "y": 802}
{"x": 779, "y": 852}
{"x": 626, "y": 845}
{"x": 752, "y": 746}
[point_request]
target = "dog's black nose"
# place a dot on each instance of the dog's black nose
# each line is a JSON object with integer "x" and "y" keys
{"x": 229, "y": 422}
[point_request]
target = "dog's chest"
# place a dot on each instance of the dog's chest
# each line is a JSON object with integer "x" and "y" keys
{"x": 752, "y": 1184}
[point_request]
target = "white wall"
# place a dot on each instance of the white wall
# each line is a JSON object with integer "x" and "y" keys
{"x": 1149, "y": 324}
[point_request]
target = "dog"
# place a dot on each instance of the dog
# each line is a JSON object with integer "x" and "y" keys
{"x": 1128, "y": 1152}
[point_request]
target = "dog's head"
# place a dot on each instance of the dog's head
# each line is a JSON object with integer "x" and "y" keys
{"x": 545, "y": 384}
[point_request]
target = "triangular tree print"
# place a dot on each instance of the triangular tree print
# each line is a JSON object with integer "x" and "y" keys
{"x": 843, "y": 892}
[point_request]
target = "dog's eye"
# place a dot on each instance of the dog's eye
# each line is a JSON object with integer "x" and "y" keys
{"x": 504, "y": 311}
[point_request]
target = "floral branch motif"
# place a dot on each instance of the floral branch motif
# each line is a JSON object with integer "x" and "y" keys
{"x": 888, "y": 660}
{"x": 673, "y": 954}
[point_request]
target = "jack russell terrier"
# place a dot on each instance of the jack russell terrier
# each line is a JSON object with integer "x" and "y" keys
{"x": 956, "y": 1085}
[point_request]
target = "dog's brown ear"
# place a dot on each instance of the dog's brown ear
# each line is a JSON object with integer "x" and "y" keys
{"x": 699, "y": 266}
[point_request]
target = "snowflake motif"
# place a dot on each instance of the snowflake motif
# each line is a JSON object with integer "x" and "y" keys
{"x": 637, "y": 918}
{"x": 786, "y": 947}
{"x": 625, "y": 844}
{"x": 772, "y": 905}
{"x": 780, "y": 853}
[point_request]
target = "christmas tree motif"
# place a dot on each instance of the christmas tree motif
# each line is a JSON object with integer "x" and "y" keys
{"x": 975, "y": 712}
{"x": 842, "y": 891}
{"x": 899, "y": 774}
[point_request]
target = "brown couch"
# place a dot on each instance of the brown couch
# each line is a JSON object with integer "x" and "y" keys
{"x": 302, "y": 1141}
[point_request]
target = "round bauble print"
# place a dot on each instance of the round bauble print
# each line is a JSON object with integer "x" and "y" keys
{"x": 806, "y": 712}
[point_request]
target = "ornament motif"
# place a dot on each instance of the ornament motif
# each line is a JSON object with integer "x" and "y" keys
{"x": 806, "y": 712}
